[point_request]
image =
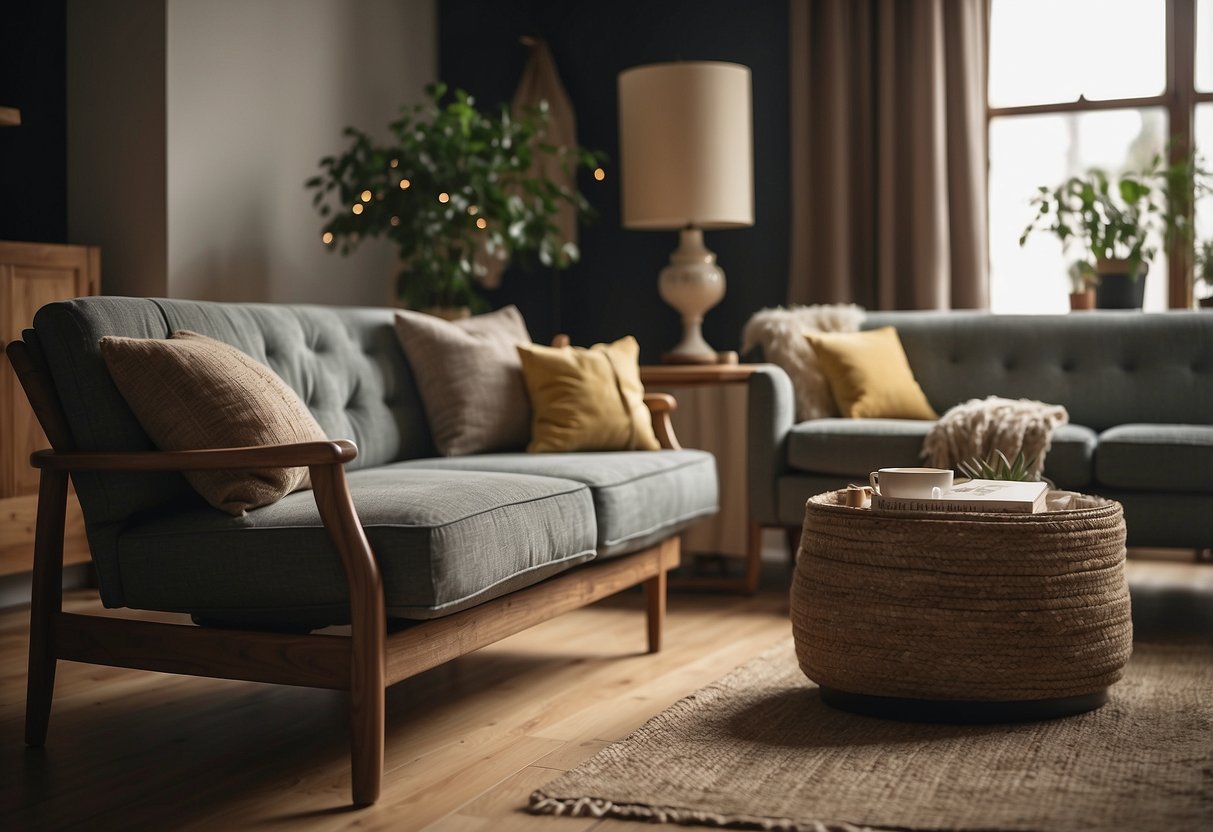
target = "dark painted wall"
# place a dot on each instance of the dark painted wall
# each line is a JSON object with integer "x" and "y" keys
{"x": 33, "y": 157}
{"x": 613, "y": 291}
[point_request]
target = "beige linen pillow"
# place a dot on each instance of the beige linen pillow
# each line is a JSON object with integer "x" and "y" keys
{"x": 190, "y": 392}
{"x": 587, "y": 400}
{"x": 470, "y": 379}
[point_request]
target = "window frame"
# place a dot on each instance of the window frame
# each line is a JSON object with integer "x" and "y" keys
{"x": 1178, "y": 99}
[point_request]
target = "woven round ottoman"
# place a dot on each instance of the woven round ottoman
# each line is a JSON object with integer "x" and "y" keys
{"x": 962, "y": 617}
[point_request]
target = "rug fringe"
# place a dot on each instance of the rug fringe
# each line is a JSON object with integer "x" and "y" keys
{"x": 542, "y": 803}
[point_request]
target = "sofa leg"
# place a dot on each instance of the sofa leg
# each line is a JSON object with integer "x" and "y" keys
{"x": 366, "y": 744}
{"x": 793, "y": 535}
{"x": 45, "y": 603}
{"x": 753, "y": 559}
{"x": 368, "y": 630}
{"x": 654, "y": 593}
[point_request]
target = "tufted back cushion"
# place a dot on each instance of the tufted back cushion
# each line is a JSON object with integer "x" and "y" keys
{"x": 345, "y": 363}
{"x": 1107, "y": 368}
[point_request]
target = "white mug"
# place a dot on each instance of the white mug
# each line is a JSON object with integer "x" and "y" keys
{"x": 918, "y": 483}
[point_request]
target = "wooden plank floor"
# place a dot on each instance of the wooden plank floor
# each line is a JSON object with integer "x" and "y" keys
{"x": 467, "y": 742}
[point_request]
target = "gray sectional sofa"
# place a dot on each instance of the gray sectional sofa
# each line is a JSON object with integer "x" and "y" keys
{"x": 1138, "y": 388}
{"x": 426, "y": 557}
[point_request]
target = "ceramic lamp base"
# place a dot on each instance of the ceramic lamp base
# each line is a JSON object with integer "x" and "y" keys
{"x": 692, "y": 284}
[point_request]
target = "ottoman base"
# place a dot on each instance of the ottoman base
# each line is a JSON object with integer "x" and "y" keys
{"x": 960, "y": 710}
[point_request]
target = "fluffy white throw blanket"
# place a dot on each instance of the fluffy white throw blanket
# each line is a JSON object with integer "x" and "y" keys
{"x": 979, "y": 426}
{"x": 780, "y": 333}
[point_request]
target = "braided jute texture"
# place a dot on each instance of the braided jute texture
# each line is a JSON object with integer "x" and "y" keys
{"x": 986, "y": 607}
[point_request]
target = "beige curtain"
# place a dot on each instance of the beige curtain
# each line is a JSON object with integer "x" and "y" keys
{"x": 889, "y": 153}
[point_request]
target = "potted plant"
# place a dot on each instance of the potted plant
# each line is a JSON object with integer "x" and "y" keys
{"x": 1204, "y": 270}
{"x": 1118, "y": 224}
{"x": 1083, "y": 279}
{"x": 454, "y": 189}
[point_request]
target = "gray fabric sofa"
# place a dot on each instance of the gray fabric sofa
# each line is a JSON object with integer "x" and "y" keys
{"x": 1138, "y": 388}
{"x": 426, "y": 557}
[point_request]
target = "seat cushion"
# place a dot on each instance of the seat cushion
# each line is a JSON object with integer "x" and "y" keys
{"x": 444, "y": 541}
{"x": 640, "y": 497}
{"x": 854, "y": 447}
{"x": 1173, "y": 458}
{"x": 1071, "y": 460}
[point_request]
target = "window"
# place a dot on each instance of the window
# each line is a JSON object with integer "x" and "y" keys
{"x": 1202, "y": 128}
{"x": 1058, "y": 106}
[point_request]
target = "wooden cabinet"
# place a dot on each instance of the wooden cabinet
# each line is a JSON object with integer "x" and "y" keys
{"x": 32, "y": 275}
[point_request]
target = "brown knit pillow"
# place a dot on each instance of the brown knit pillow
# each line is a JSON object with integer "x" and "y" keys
{"x": 470, "y": 379}
{"x": 190, "y": 392}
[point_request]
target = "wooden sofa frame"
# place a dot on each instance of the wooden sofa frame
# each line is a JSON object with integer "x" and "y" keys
{"x": 364, "y": 662}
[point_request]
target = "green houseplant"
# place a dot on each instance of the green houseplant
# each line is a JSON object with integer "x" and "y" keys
{"x": 1204, "y": 269}
{"x": 1083, "y": 279}
{"x": 1118, "y": 224}
{"x": 455, "y": 189}
{"x": 996, "y": 466}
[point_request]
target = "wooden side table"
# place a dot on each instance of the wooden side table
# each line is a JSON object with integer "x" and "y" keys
{"x": 727, "y": 446}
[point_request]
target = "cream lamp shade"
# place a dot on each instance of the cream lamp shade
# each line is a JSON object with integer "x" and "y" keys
{"x": 686, "y": 152}
{"x": 686, "y": 146}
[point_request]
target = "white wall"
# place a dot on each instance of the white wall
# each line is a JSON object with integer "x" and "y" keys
{"x": 257, "y": 92}
{"x": 115, "y": 140}
{"x": 192, "y": 125}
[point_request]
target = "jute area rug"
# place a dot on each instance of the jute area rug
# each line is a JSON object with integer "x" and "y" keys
{"x": 758, "y": 749}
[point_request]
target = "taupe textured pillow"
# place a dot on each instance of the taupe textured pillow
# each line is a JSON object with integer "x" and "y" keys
{"x": 470, "y": 379}
{"x": 190, "y": 392}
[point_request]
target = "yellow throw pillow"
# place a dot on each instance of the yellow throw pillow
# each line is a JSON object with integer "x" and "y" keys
{"x": 190, "y": 392}
{"x": 587, "y": 400}
{"x": 870, "y": 375}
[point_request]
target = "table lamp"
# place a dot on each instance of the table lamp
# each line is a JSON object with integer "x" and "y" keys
{"x": 687, "y": 160}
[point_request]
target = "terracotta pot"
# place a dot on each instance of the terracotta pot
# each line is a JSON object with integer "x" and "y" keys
{"x": 1081, "y": 301}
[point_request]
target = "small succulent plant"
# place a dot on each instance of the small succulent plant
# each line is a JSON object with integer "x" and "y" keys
{"x": 996, "y": 466}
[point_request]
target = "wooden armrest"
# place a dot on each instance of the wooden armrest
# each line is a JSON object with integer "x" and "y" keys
{"x": 660, "y": 402}
{"x": 660, "y": 405}
{"x": 296, "y": 455}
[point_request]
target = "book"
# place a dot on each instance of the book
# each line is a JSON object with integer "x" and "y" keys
{"x": 975, "y": 495}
